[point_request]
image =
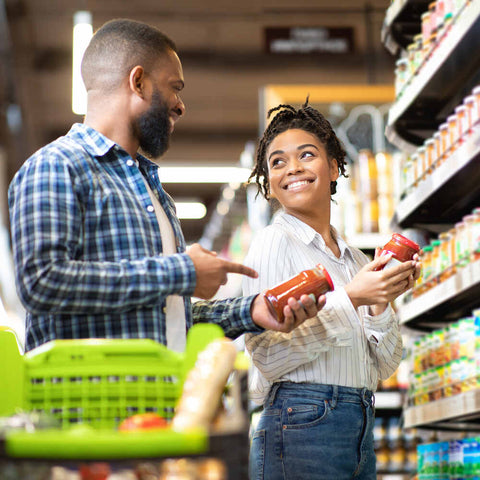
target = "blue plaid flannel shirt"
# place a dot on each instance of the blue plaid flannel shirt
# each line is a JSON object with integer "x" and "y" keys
{"x": 87, "y": 247}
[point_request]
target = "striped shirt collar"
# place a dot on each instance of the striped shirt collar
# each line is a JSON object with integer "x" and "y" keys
{"x": 309, "y": 235}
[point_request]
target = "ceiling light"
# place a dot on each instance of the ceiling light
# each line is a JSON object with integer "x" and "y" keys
{"x": 82, "y": 33}
{"x": 189, "y": 174}
{"x": 190, "y": 210}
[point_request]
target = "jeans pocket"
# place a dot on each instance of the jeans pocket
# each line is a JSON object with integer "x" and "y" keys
{"x": 305, "y": 415}
{"x": 257, "y": 455}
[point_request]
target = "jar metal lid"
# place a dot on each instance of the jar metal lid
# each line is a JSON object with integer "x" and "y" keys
{"x": 406, "y": 241}
{"x": 327, "y": 275}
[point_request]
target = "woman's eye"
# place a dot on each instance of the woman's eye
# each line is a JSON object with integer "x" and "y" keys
{"x": 276, "y": 162}
{"x": 307, "y": 154}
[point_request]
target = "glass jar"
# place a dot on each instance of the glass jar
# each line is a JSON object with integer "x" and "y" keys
{"x": 418, "y": 60}
{"x": 476, "y": 113}
{"x": 437, "y": 149}
{"x": 429, "y": 155}
{"x": 452, "y": 123}
{"x": 411, "y": 48}
{"x": 421, "y": 163}
{"x": 436, "y": 268}
{"x": 445, "y": 256}
{"x": 476, "y": 235}
{"x": 440, "y": 17}
{"x": 402, "y": 248}
{"x": 462, "y": 124}
{"x": 426, "y": 27}
{"x": 433, "y": 16}
{"x": 409, "y": 175}
{"x": 471, "y": 111}
{"x": 315, "y": 281}
{"x": 453, "y": 249}
{"x": 460, "y": 244}
{"x": 469, "y": 221}
{"x": 444, "y": 142}
{"x": 401, "y": 75}
{"x": 416, "y": 168}
{"x": 427, "y": 271}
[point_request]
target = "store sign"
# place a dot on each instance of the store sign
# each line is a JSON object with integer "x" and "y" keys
{"x": 309, "y": 40}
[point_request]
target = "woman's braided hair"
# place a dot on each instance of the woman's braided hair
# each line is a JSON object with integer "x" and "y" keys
{"x": 305, "y": 118}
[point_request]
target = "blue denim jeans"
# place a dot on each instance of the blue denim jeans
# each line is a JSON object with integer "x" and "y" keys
{"x": 314, "y": 432}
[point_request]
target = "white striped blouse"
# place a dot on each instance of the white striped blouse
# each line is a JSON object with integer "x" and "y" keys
{"x": 341, "y": 345}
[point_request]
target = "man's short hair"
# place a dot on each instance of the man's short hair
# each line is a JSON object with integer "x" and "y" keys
{"x": 117, "y": 47}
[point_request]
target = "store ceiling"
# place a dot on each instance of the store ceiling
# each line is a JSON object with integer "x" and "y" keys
{"x": 222, "y": 48}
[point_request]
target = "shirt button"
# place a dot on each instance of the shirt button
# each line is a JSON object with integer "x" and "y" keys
{"x": 150, "y": 208}
{"x": 130, "y": 162}
{"x": 164, "y": 310}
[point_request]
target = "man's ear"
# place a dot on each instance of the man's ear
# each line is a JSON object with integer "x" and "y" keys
{"x": 136, "y": 80}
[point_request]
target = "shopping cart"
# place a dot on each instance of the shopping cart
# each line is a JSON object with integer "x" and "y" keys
{"x": 87, "y": 387}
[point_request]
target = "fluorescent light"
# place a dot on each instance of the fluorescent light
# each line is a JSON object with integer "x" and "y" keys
{"x": 82, "y": 33}
{"x": 189, "y": 174}
{"x": 190, "y": 210}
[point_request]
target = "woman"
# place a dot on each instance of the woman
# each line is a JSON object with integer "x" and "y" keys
{"x": 317, "y": 382}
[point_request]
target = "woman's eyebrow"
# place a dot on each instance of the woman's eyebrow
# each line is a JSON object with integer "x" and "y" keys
{"x": 300, "y": 147}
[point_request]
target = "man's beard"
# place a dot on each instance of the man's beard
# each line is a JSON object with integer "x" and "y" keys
{"x": 153, "y": 128}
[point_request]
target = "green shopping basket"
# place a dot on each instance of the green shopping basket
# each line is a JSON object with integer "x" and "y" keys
{"x": 97, "y": 382}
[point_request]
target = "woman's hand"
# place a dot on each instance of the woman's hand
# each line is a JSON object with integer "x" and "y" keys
{"x": 377, "y": 287}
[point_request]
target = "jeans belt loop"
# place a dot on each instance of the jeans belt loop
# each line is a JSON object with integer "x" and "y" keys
{"x": 273, "y": 393}
{"x": 334, "y": 400}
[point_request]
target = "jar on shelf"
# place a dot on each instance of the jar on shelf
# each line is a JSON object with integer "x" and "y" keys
{"x": 440, "y": 17}
{"x": 469, "y": 221}
{"x": 436, "y": 260}
{"x": 429, "y": 154}
{"x": 462, "y": 121}
{"x": 445, "y": 255}
{"x": 409, "y": 175}
{"x": 437, "y": 150}
{"x": 427, "y": 268}
{"x": 476, "y": 235}
{"x": 444, "y": 142}
{"x": 453, "y": 249}
{"x": 421, "y": 163}
{"x": 401, "y": 75}
{"x": 476, "y": 106}
{"x": 433, "y": 16}
{"x": 460, "y": 244}
{"x": 416, "y": 168}
{"x": 426, "y": 27}
{"x": 452, "y": 122}
{"x": 471, "y": 111}
{"x": 411, "y": 50}
{"x": 418, "y": 59}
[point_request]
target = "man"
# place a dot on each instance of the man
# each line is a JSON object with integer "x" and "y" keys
{"x": 97, "y": 246}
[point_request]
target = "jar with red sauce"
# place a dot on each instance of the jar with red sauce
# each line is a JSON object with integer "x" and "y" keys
{"x": 315, "y": 281}
{"x": 402, "y": 248}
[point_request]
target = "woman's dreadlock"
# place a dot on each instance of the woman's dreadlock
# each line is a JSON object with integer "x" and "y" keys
{"x": 305, "y": 118}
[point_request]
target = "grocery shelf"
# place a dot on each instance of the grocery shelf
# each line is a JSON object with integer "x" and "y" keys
{"x": 453, "y": 298}
{"x": 388, "y": 400}
{"x": 402, "y": 22}
{"x": 443, "y": 80}
{"x": 458, "y": 412}
{"x": 451, "y": 191}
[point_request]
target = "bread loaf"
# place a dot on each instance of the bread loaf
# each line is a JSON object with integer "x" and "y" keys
{"x": 204, "y": 385}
